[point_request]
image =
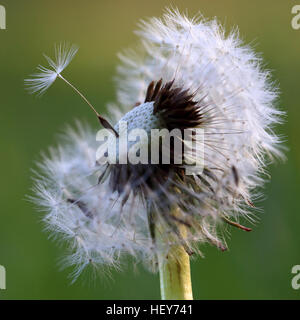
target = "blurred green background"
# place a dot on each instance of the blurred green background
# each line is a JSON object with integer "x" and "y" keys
{"x": 258, "y": 264}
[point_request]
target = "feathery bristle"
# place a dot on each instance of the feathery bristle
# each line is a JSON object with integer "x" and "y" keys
{"x": 41, "y": 81}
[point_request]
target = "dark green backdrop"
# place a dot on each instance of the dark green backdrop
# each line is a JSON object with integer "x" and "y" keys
{"x": 258, "y": 264}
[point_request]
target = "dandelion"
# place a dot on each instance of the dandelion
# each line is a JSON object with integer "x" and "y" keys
{"x": 186, "y": 74}
{"x": 42, "y": 80}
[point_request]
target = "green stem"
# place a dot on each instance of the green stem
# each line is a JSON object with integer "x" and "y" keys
{"x": 175, "y": 275}
{"x": 174, "y": 269}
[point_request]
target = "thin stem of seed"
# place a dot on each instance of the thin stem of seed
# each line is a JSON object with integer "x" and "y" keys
{"x": 78, "y": 92}
{"x": 102, "y": 120}
{"x": 235, "y": 224}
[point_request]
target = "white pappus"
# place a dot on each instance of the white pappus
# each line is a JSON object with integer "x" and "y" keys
{"x": 190, "y": 74}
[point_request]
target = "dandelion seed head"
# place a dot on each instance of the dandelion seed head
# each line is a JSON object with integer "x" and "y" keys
{"x": 186, "y": 74}
{"x": 142, "y": 117}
